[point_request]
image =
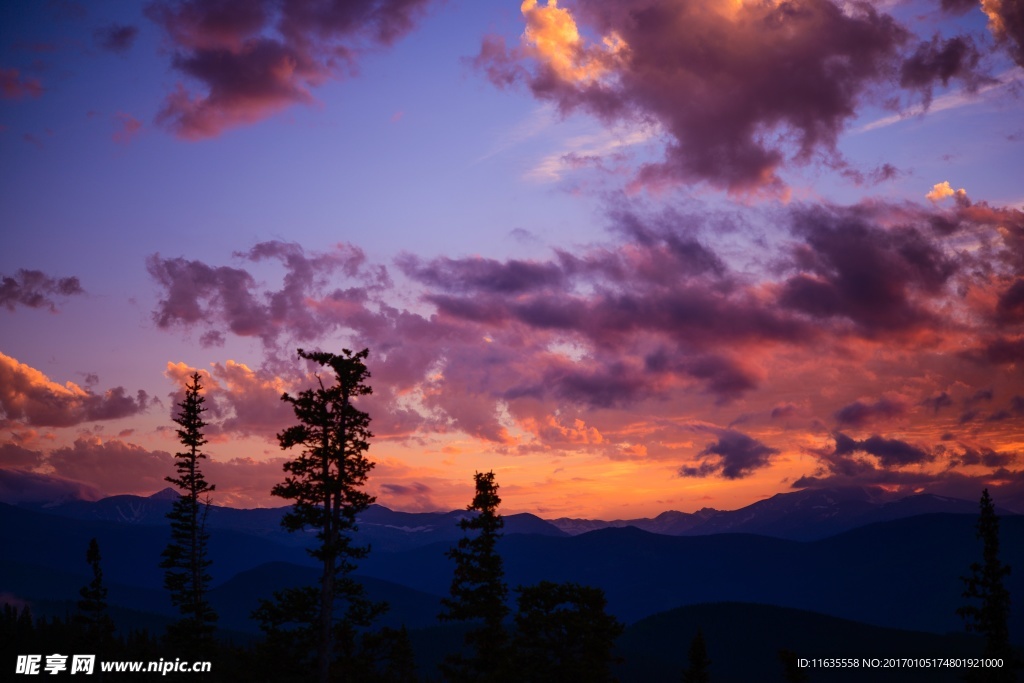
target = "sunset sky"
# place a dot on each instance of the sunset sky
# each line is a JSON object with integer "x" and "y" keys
{"x": 632, "y": 255}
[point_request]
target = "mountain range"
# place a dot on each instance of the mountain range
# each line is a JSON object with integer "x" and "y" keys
{"x": 829, "y": 563}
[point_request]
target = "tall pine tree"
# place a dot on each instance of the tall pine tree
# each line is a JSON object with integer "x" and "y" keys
{"x": 186, "y": 559}
{"x": 988, "y": 612}
{"x": 92, "y": 614}
{"x": 325, "y": 482}
{"x": 478, "y": 592}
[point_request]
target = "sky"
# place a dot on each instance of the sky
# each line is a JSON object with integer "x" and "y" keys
{"x": 631, "y": 255}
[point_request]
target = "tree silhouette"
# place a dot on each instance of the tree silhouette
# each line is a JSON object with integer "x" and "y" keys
{"x": 563, "y": 634}
{"x": 989, "y": 610}
{"x": 185, "y": 558}
{"x": 92, "y": 615}
{"x": 791, "y": 667}
{"x": 478, "y": 592}
{"x": 325, "y": 482}
{"x": 700, "y": 662}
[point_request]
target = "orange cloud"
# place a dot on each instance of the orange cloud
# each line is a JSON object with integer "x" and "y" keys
{"x": 943, "y": 190}
{"x": 552, "y": 37}
{"x": 28, "y": 397}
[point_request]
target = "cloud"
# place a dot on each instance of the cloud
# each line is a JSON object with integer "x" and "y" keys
{"x": 14, "y": 86}
{"x": 195, "y": 293}
{"x": 942, "y": 61}
{"x": 732, "y": 118}
{"x": 943, "y": 190}
{"x": 1006, "y": 22}
{"x": 112, "y": 466}
{"x": 738, "y": 456}
{"x": 34, "y": 289}
{"x": 18, "y": 487}
{"x": 860, "y": 413}
{"x": 128, "y": 128}
{"x": 879, "y": 278}
{"x": 117, "y": 38}
{"x": 253, "y": 58}
{"x": 412, "y": 497}
{"x": 889, "y": 452}
{"x": 28, "y": 397}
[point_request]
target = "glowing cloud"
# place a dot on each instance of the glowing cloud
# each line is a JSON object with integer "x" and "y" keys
{"x": 943, "y": 190}
{"x": 552, "y": 37}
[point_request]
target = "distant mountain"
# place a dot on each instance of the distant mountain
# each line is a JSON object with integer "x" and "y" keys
{"x": 655, "y": 649}
{"x": 902, "y": 574}
{"x": 806, "y": 515}
{"x": 380, "y": 527}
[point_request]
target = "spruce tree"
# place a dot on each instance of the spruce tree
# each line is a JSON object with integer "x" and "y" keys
{"x": 563, "y": 634}
{"x": 92, "y": 614}
{"x": 325, "y": 482}
{"x": 988, "y": 612}
{"x": 478, "y": 591}
{"x": 186, "y": 558}
{"x": 700, "y": 662}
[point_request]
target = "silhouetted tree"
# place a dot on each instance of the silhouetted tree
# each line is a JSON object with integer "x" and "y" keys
{"x": 563, "y": 634}
{"x": 185, "y": 558}
{"x": 791, "y": 667}
{"x": 92, "y": 615}
{"x": 325, "y": 482}
{"x": 478, "y": 592}
{"x": 989, "y": 610}
{"x": 700, "y": 662}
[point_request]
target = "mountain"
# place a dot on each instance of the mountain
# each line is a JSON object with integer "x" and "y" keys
{"x": 806, "y": 515}
{"x": 902, "y": 574}
{"x": 655, "y": 649}
{"x": 380, "y": 527}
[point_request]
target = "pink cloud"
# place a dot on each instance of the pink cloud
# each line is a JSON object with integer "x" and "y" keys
{"x": 731, "y": 118}
{"x": 28, "y": 397}
{"x": 14, "y": 86}
{"x": 128, "y": 128}
{"x": 256, "y": 57}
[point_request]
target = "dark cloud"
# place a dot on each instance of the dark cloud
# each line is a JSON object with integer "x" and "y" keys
{"x": 195, "y": 293}
{"x": 482, "y": 275}
{"x": 35, "y": 289}
{"x": 959, "y": 6}
{"x": 256, "y": 57}
{"x": 890, "y": 452}
{"x": 117, "y": 38}
{"x": 984, "y": 456}
{"x": 941, "y": 61}
{"x": 854, "y": 269}
{"x": 860, "y": 413}
{"x": 783, "y": 410}
{"x": 676, "y": 58}
{"x": 738, "y": 456}
{"x": 998, "y": 351}
{"x": 1010, "y": 307}
{"x": 938, "y": 402}
{"x": 29, "y": 397}
{"x": 13, "y": 456}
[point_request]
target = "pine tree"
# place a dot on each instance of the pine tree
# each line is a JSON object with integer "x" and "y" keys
{"x": 700, "y": 662}
{"x": 185, "y": 558}
{"x": 989, "y": 610}
{"x": 325, "y": 482}
{"x": 563, "y": 634}
{"x": 478, "y": 592}
{"x": 92, "y": 615}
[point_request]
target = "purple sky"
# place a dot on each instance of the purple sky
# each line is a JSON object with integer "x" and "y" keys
{"x": 632, "y": 255}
